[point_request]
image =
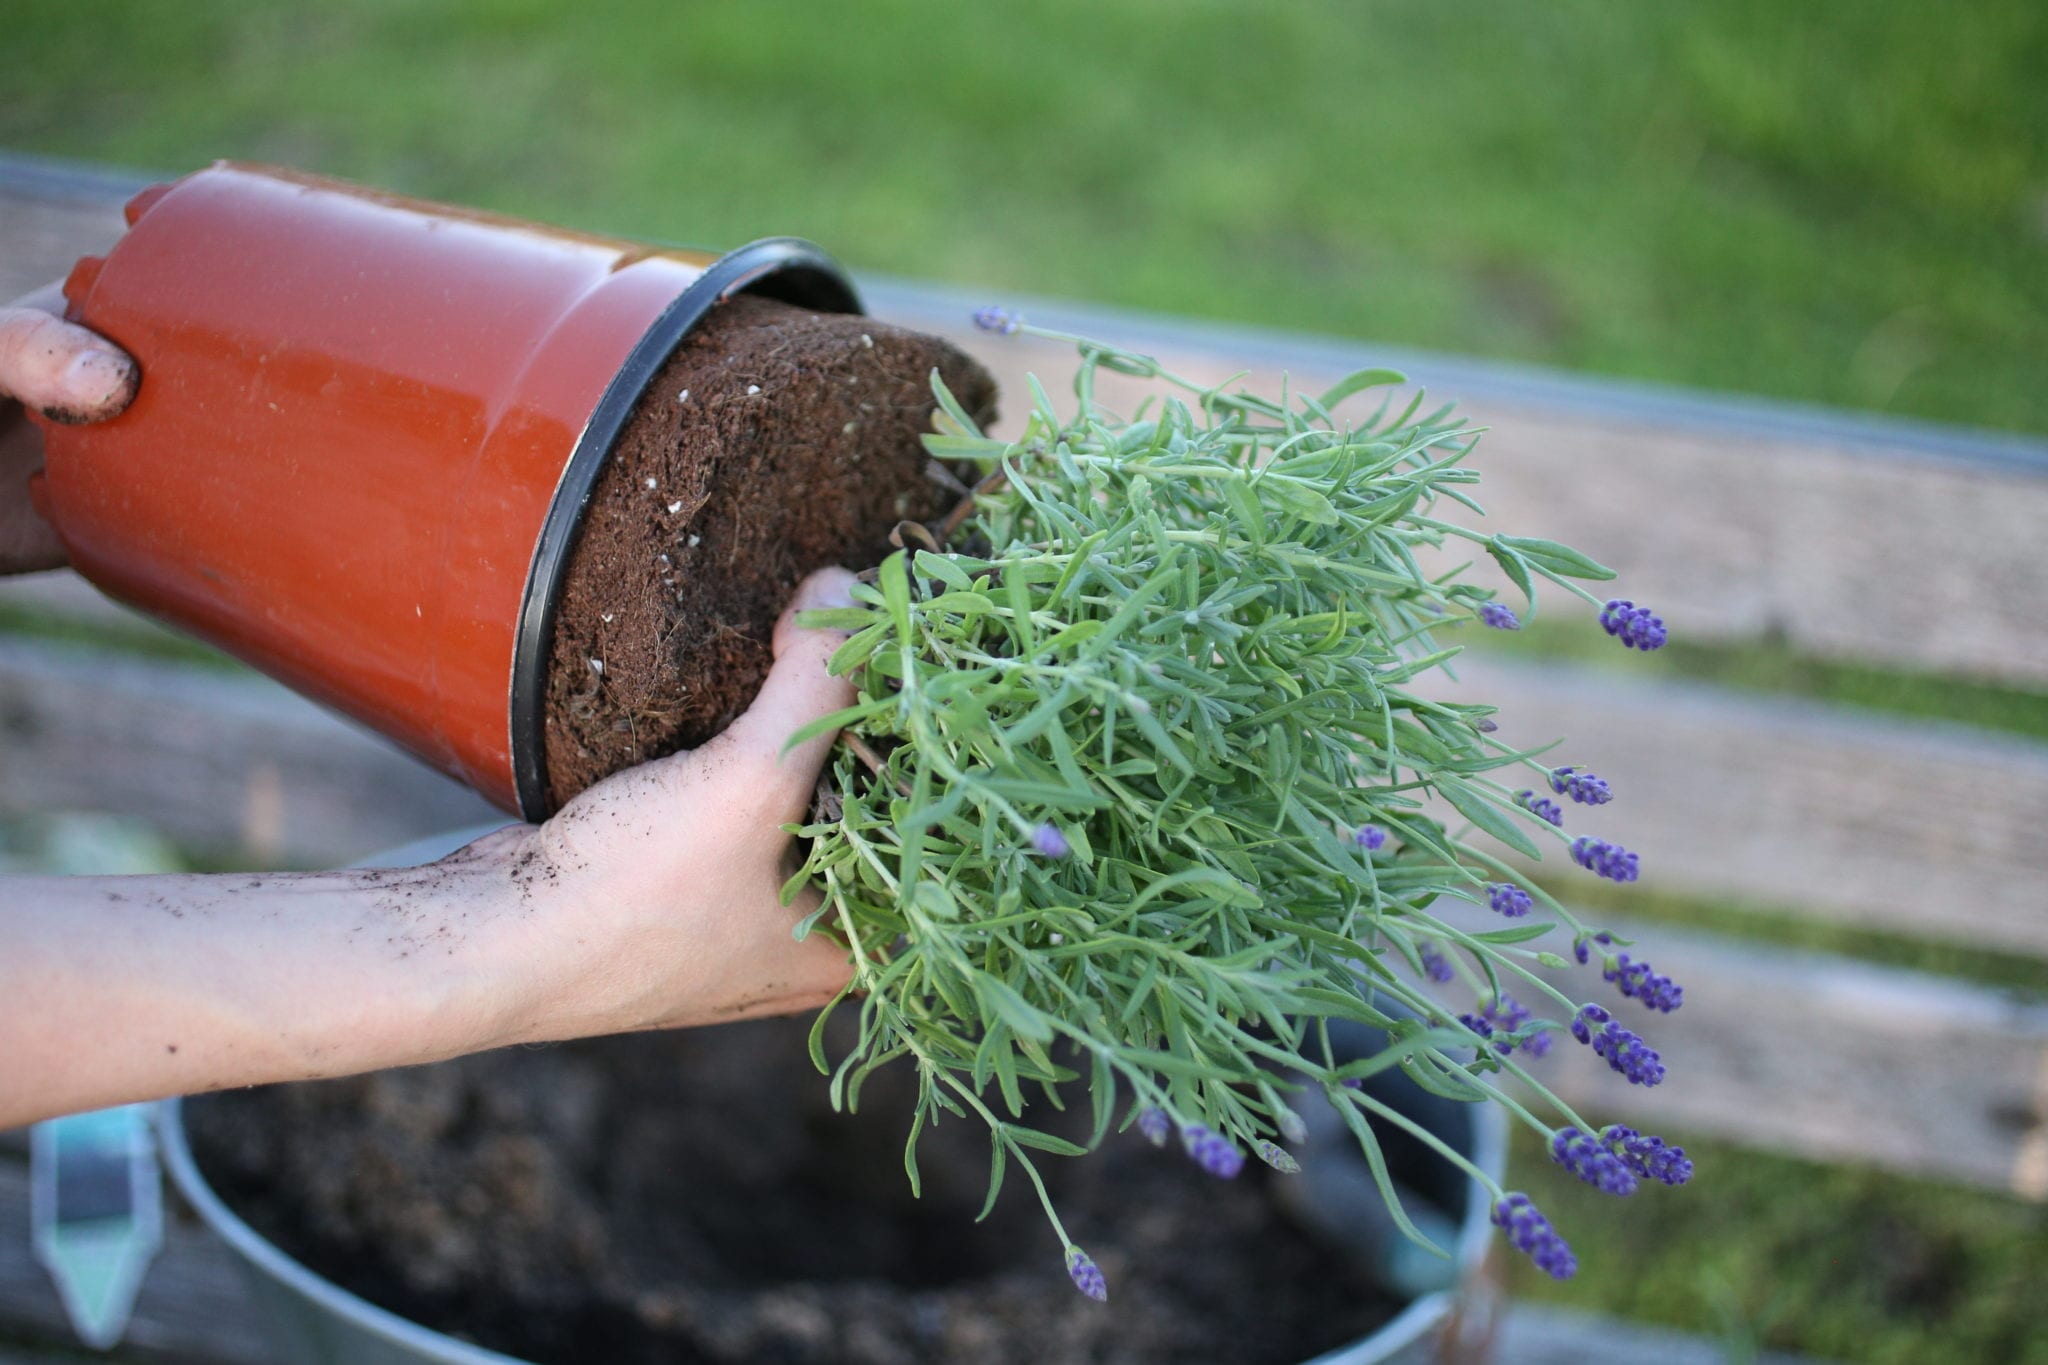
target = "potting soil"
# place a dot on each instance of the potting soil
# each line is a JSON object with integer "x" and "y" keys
{"x": 692, "y": 1197}
{"x": 775, "y": 441}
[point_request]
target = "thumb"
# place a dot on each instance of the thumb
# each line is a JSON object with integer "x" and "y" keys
{"x": 798, "y": 690}
{"x": 63, "y": 371}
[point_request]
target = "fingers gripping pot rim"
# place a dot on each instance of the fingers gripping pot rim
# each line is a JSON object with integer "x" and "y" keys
{"x": 366, "y": 434}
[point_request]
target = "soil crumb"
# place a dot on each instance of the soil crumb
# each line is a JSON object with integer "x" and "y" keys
{"x": 776, "y": 441}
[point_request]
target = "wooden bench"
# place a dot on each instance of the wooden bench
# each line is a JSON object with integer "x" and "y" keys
{"x": 1847, "y": 536}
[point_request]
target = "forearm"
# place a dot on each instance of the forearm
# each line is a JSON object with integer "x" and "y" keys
{"x": 115, "y": 989}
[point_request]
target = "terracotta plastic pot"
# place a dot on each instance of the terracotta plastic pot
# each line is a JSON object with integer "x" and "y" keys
{"x": 366, "y": 432}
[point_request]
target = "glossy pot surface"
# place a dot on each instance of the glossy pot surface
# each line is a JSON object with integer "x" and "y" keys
{"x": 365, "y": 431}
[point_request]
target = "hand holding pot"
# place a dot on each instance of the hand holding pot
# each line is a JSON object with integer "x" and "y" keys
{"x": 69, "y": 375}
{"x": 652, "y": 900}
{"x": 659, "y": 889}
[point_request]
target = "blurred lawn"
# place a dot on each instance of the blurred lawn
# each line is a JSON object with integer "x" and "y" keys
{"x": 1845, "y": 200}
{"x": 1839, "y": 1262}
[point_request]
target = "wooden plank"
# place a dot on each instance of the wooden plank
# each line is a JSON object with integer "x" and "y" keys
{"x": 1915, "y": 828}
{"x": 47, "y": 223}
{"x": 1734, "y": 533}
{"x": 228, "y": 763}
{"x": 1824, "y": 1058}
{"x": 1909, "y": 826}
{"x": 193, "y": 1309}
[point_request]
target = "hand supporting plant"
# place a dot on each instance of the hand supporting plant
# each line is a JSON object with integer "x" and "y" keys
{"x": 1139, "y": 791}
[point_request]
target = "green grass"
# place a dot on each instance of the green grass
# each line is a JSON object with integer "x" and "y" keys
{"x": 1796, "y": 929}
{"x": 38, "y": 623}
{"x": 1840, "y": 1262}
{"x": 1844, "y": 200}
{"x": 1768, "y": 666}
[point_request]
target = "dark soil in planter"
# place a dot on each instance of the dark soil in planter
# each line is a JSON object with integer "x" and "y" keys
{"x": 797, "y": 447}
{"x": 692, "y": 1197}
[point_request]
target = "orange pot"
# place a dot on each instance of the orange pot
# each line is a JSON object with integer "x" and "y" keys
{"x": 365, "y": 435}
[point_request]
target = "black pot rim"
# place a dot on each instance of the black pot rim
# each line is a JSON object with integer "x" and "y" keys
{"x": 788, "y": 269}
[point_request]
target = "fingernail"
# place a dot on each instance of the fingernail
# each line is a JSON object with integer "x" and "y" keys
{"x": 98, "y": 378}
{"x": 826, "y": 588}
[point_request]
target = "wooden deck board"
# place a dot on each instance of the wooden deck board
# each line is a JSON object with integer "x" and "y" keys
{"x": 193, "y": 1310}
{"x": 1809, "y": 1053}
{"x": 227, "y": 763}
{"x": 1917, "y": 828}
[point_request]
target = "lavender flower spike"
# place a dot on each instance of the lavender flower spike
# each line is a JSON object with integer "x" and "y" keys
{"x": 1624, "y": 1049}
{"x": 1509, "y": 1015}
{"x": 1530, "y": 1232}
{"x": 1435, "y": 965}
{"x": 1371, "y": 838}
{"x": 994, "y": 319}
{"x": 1637, "y": 980}
{"x": 1601, "y": 858}
{"x": 1507, "y": 899}
{"x": 1590, "y": 1159}
{"x": 1048, "y": 840}
{"x": 1582, "y": 787}
{"x": 1212, "y": 1151}
{"x": 1152, "y": 1122}
{"x": 1278, "y": 1157}
{"x": 1636, "y": 627}
{"x": 1086, "y": 1275}
{"x": 1499, "y": 616}
{"x": 1542, "y": 807}
{"x": 1649, "y": 1157}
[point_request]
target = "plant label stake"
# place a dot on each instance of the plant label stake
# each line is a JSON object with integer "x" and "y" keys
{"x": 96, "y": 1214}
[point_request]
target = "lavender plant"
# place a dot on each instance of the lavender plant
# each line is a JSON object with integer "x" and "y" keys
{"x": 1142, "y": 790}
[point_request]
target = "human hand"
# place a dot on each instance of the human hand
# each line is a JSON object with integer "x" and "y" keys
{"x": 69, "y": 375}
{"x": 653, "y": 900}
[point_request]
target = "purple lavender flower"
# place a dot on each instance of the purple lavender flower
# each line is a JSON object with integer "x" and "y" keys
{"x": 1591, "y": 1160}
{"x": 1637, "y": 980}
{"x": 1624, "y": 1049}
{"x": 1530, "y": 1232}
{"x": 1153, "y": 1123}
{"x": 1636, "y": 627}
{"x": 1611, "y": 861}
{"x": 1582, "y": 787}
{"x": 1371, "y": 838}
{"x": 1499, "y": 616}
{"x": 1649, "y": 1157}
{"x": 1505, "y": 898}
{"x": 1509, "y": 1015}
{"x": 1086, "y": 1275}
{"x": 1542, "y": 807}
{"x": 994, "y": 319}
{"x": 1048, "y": 840}
{"x": 1276, "y": 1156}
{"x": 1435, "y": 965}
{"x": 1486, "y": 726}
{"x": 1212, "y": 1151}
{"x": 1478, "y": 1025}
